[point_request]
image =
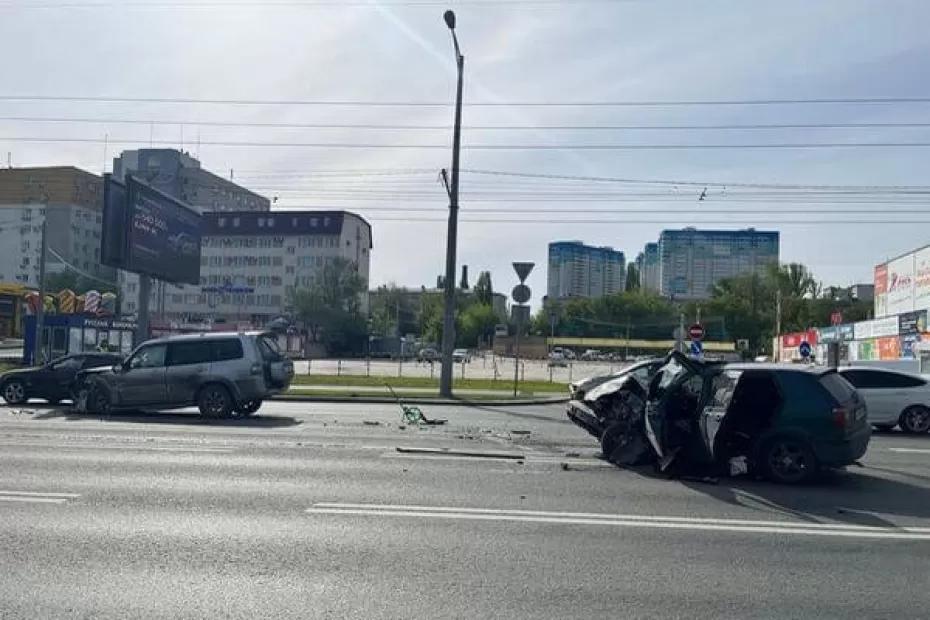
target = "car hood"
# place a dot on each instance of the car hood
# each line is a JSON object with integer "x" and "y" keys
{"x": 19, "y": 371}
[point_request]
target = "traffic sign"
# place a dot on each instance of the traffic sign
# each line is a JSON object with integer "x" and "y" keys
{"x": 697, "y": 349}
{"x": 804, "y": 349}
{"x": 523, "y": 270}
{"x": 521, "y": 293}
{"x": 696, "y": 331}
{"x": 836, "y": 317}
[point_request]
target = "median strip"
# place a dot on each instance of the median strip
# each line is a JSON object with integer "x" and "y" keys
{"x": 784, "y": 528}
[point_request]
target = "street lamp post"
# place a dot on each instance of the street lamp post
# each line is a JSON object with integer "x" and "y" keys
{"x": 448, "y": 320}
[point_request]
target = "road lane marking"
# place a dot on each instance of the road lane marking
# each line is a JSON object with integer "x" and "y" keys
{"x": 642, "y": 521}
{"x": 142, "y": 448}
{"x": 35, "y": 494}
{"x": 36, "y": 497}
{"x": 910, "y": 450}
{"x": 33, "y": 500}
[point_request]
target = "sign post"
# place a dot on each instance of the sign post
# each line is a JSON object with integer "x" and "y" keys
{"x": 521, "y": 294}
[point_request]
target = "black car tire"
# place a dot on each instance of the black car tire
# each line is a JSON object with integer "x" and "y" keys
{"x": 14, "y": 392}
{"x": 249, "y": 407}
{"x": 914, "y": 420}
{"x": 98, "y": 400}
{"x": 787, "y": 460}
{"x": 214, "y": 401}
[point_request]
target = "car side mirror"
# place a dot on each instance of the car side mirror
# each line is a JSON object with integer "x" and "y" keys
{"x": 118, "y": 368}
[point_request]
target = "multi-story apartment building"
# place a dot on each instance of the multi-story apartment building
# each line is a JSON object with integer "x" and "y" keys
{"x": 250, "y": 262}
{"x": 70, "y": 200}
{"x": 579, "y": 270}
{"x": 691, "y": 261}
{"x": 647, "y": 264}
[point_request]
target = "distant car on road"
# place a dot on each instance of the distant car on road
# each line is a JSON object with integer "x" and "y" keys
{"x": 892, "y": 398}
{"x": 53, "y": 381}
{"x": 591, "y": 355}
{"x": 461, "y": 356}
{"x": 557, "y": 358}
{"x": 428, "y": 354}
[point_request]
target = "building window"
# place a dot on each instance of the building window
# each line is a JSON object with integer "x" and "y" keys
{"x": 291, "y": 249}
{"x": 221, "y": 222}
{"x": 235, "y": 222}
{"x": 313, "y": 222}
{"x": 270, "y": 222}
{"x": 261, "y": 222}
{"x": 289, "y": 269}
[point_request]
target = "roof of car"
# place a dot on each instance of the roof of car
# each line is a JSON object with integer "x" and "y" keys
{"x": 201, "y": 336}
{"x": 780, "y": 367}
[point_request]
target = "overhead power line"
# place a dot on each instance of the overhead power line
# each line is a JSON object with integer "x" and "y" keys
{"x": 482, "y": 147}
{"x": 214, "y": 4}
{"x": 445, "y": 104}
{"x": 420, "y": 127}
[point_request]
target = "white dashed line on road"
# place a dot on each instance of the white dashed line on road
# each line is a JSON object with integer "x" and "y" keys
{"x": 36, "y": 497}
{"x": 786, "y": 528}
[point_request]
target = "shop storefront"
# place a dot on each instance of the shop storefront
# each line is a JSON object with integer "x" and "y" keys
{"x": 64, "y": 334}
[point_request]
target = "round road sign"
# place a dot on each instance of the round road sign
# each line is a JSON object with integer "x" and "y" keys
{"x": 696, "y": 331}
{"x": 520, "y": 293}
{"x": 804, "y": 349}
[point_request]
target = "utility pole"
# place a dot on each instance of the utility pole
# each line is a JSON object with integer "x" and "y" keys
{"x": 448, "y": 319}
{"x": 39, "y": 356}
{"x": 626, "y": 355}
{"x": 777, "y": 349}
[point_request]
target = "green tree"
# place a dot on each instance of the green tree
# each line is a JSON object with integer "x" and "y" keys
{"x": 55, "y": 282}
{"x": 484, "y": 292}
{"x": 632, "y": 277}
{"x": 475, "y": 324}
{"x": 330, "y": 307}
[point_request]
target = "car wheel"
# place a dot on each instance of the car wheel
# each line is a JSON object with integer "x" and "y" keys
{"x": 98, "y": 401}
{"x": 915, "y": 420}
{"x": 249, "y": 407}
{"x": 14, "y": 392}
{"x": 215, "y": 402}
{"x": 787, "y": 460}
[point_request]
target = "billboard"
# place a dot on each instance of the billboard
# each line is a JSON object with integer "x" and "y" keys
{"x": 901, "y": 285}
{"x": 912, "y": 322}
{"x": 888, "y": 348}
{"x": 881, "y": 290}
{"x": 112, "y": 238}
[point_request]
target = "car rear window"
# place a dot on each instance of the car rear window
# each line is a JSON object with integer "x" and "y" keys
{"x": 839, "y": 388}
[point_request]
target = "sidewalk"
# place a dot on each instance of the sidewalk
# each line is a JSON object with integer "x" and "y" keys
{"x": 380, "y": 394}
{"x": 382, "y": 389}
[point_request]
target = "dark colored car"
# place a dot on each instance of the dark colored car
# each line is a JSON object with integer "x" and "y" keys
{"x": 53, "y": 381}
{"x": 784, "y": 422}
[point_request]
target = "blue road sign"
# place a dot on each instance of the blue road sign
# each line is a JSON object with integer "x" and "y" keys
{"x": 804, "y": 349}
{"x": 697, "y": 349}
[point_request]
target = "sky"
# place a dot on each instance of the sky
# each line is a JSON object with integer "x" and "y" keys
{"x": 516, "y": 52}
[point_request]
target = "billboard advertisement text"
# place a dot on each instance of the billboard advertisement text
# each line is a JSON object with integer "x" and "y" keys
{"x": 163, "y": 235}
{"x": 901, "y": 285}
{"x": 881, "y": 290}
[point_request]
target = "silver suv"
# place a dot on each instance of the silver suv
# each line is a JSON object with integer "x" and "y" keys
{"x": 223, "y": 374}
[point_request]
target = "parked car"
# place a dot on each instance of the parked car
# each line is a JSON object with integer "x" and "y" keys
{"x": 51, "y": 382}
{"x": 783, "y": 422}
{"x": 460, "y": 355}
{"x": 223, "y": 374}
{"x": 591, "y": 355}
{"x": 642, "y": 371}
{"x": 892, "y": 398}
{"x": 428, "y": 354}
{"x": 557, "y": 358}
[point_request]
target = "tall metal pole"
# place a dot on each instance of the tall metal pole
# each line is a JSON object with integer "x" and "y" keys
{"x": 448, "y": 320}
{"x": 516, "y": 352}
{"x": 39, "y": 356}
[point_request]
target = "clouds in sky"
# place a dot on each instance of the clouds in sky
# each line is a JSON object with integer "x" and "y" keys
{"x": 569, "y": 51}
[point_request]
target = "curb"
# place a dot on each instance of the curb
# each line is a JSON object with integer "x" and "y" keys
{"x": 415, "y": 400}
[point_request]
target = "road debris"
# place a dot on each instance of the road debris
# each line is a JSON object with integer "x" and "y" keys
{"x": 371, "y": 423}
{"x": 472, "y": 453}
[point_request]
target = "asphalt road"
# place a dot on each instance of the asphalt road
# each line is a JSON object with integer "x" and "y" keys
{"x": 310, "y": 511}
